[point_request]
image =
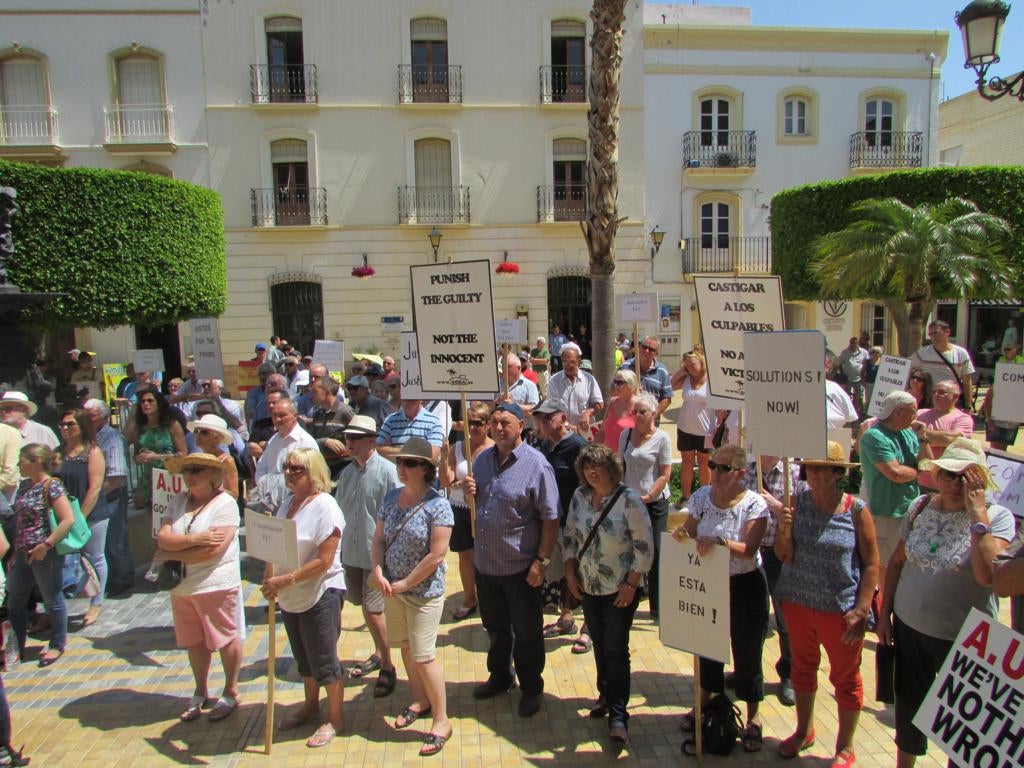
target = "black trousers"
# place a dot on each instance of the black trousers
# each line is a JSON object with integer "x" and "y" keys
{"x": 512, "y": 612}
{"x": 658, "y": 512}
{"x": 772, "y": 571}
{"x": 748, "y": 616}
{"x": 313, "y": 636}
{"x": 609, "y": 629}
{"x": 918, "y": 659}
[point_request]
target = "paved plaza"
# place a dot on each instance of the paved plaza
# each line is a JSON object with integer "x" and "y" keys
{"x": 115, "y": 696}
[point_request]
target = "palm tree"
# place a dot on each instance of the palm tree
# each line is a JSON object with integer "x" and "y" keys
{"x": 902, "y": 255}
{"x": 602, "y": 220}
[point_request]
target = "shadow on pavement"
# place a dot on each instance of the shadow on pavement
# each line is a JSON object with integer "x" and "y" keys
{"x": 134, "y": 644}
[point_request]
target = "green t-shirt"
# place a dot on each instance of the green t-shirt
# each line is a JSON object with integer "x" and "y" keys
{"x": 881, "y": 444}
{"x": 540, "y": 353}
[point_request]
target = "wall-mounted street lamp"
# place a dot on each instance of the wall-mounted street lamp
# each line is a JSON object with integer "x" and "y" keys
{"x": 981, "y": 25}
{"x": 435, "y": 241}
{"x": 657, "y": 236}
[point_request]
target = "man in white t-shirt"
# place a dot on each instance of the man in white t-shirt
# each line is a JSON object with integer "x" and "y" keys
{"x": 839, "y": 410}
{"x": 945, "y": 360}
{"x": 288, "y": 436}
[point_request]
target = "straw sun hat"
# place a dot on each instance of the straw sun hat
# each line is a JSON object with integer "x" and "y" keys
{"x": 836, "y": 457}
{"x": 958, "y": 456}
{"x": 176, "y": 464}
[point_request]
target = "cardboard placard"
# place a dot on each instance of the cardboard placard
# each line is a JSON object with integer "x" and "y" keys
{"x": 1008, "y": 392}
{"x": 412, "y": 388}
{"x": 729, "y": 307}
{"x": 694, "y": 599}
{"x": 151, "y": 360}
{"x": 1007, "y": 471}
{"x": 205, "y": 333}
{"x": 510, "y": 331}
{"x": 113, "y": 374}
{"x": 166, "y": 485}
{"x": 271, "y": 539}
{"x": 330, "y": 353}
{"x": 785, "y": 376}
{"x": 974, "y": 711}
{"x": 248, "y": 375}
{"x": 893, "y": 374}
{"x": 454, "y": 317}
{"x": 637, "y": 308}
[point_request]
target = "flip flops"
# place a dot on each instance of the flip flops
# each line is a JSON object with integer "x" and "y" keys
{"x": 322, "y": 736}
{"x": 223, "y": 708}
{"x": 195, "y": 708}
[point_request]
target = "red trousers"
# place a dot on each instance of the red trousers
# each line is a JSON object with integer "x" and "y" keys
{"x": 809, "y": 629}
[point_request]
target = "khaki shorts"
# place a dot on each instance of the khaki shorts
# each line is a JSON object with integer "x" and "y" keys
{"x": 414, "y": 620}
{"x": 361, "y": 589}
{"x": 887, "y": 533}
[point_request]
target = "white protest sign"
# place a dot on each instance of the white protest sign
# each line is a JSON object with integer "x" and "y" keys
{"x": 892, "y": 376}
{"x": 271, "y": 539}
{"x": 151, "y": 360}
{"x": 1007, "y": 472}
{"x": 412, "y": 387}
{"x": 454, "y": 321}
{"x": 330, "y": 353}
{"x": 694, "y": 599}
{"x": 166, "y": 485}
{"x": 206, "y": 347}
{"x": 786, "y": 379}
{"x": 728, "y": 308}
{"x": 1008, "y": 392}
{"x": 974, "y": 711}
{"x": 637, "y": 308}
{"x": 510, "y": 331}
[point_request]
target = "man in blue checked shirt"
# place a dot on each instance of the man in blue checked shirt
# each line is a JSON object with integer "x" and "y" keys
{"x": 516, "y": 528}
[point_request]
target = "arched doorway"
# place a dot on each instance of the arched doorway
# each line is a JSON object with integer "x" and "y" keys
{"x": 297, "y": 309}
{"x": 569, "y": 303}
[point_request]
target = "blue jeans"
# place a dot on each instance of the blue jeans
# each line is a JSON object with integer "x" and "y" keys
{"x": 46, "y": 574}
{"x": 118, "y": 554}
{"x": 609, "y": 629}
{"x": 95, "y": 551}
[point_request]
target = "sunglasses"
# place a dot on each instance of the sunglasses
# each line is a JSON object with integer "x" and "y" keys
{"x": 714, "y": 466}
{"x": 917, "y": 378}
{"x": 476, "y": 423}
{"x": 408, "y": 463}
{"x": 192, "y": 470}
{"x": 294, "y": 469}
{"x": 68, "y": 424}
{"x": 616, "y": 382}
{"x": 945, "y": 474}
{"x": 649, "y": 349}
{"x": 203, "y": 432}
{"x": 9, "y": 408}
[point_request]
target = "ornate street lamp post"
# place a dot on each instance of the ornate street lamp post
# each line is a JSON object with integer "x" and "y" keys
{"x": 981, "y": 25}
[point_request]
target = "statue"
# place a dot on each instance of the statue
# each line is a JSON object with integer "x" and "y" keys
{"x": 8, "y": 210}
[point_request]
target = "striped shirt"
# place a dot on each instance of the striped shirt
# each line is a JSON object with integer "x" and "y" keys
{"x": 398, "y": 428}
{"x": 112, "y": 445}
{"x": 512, "y": 503}
{"x": 775, "y": 485}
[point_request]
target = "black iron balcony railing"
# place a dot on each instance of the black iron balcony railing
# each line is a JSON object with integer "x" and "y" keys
{"x": 720, "y": 149}
{"x": 719, "y": 253}
{"x": 562, "y": 202}
{"x": 886, "y": 149}
{"x": 289, "y": 207}
{"x": 429, "y": 85}
{"x": 283, "y": 83}
{"x": 564, "y": 84}
{"x": 433, "y": 205}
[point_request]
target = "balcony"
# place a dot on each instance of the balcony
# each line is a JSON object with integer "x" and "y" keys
{"x": 884, "y": 150}
{"x": 567, "y": 202}
{"x": 139, "y": 128}
{"x": 720, "y": 152}
{"x": 433, "y": 205}
{"x": 564, "y": 84}
{"x": 289, "y": 207}
{"x": 29, "y": 133}
{"x": 429, "y": 85}
{"x": 283, "y": 84}
{"x": 737, "y": 255}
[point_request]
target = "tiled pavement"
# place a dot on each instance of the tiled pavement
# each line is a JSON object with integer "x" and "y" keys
{"x": 114, "y": 698}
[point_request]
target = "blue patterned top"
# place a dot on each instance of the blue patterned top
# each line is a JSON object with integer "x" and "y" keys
{"x": 825, "y": 571}
{"x": 624, "y": 542}
{"x": 412, "y": 543}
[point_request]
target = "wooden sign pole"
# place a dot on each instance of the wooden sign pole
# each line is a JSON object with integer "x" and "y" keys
{"x": 636, "y": 355}
{"x": 504, "y": 366}
{"x": 268, "y": 738}
{"x": 697, "y": 708}
{"x": 467, "y": 452}
{"x": 785, "y": 478}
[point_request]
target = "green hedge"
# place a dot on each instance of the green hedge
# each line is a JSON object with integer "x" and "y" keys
{"x": 801, "y": 214}
{"x": 124, "y": 247}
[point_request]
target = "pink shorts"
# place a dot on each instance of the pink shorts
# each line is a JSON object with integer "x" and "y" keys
{"x": 209, "y": 619}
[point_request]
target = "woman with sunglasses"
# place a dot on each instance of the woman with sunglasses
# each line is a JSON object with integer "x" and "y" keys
{"x": 200, "y": 530}
{"x": 36, "y": 562}
{"x": 726, "y": 514}
{"x": 83, "y": 470}
{"x": 310, "y": 597}
{"x": 695, "y": 420}
{"x": 414, "y": 525}
{"x": 211, "y": 434}
{"x": 462, "y": 532}
{"x": 619, "y": 414}
{"x": 941, "y": 569}
{"x": 156, "y": 437}
{"x": 646, "y": 452}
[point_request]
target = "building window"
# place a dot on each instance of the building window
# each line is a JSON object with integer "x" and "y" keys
{"x": 429, "y": 60}
{"x": 568, "y": 172}
{"x": 290, "y": 167}
{"x": 569, "y": 303}
{"x": 568, "y": 61}
{"x": 714, "y": 225}
{"x": 797, "y": 119}
{"x": 874, "y": 321}
{"x": 286, "y": 70}
{"x": 141, "y": 114}
{"x": 879, "y": 120}
{"x": 25, "y": 113}
{"x": 297, "y": 308}
{"x": 714, "y": 122}
{"x": 794, "y": 119}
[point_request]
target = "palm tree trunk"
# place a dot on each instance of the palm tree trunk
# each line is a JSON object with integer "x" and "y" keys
{"x": 909, "y": 320}
{"x": 603, "y": 176}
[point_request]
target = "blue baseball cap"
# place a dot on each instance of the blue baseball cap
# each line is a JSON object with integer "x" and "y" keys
{"x": 512, "y": 408}
{"x": 260, "y": 346}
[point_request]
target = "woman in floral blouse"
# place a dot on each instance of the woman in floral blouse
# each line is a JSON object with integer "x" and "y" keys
{"x": 604, "y": 569}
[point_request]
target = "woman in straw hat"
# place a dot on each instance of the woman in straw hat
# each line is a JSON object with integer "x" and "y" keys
{"x": 200, "y": 529}
{"x": 414, "y": 525}
{"x": 826, "y": 541}
{"x": 941, "y": 569}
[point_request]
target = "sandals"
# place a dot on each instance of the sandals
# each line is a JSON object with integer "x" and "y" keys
{"x": 408, "y": 716}
{"x": 195, "y": 708}
{"x": 91, "y": 616}
{"x": 795, "y": 744}
{"x": 460, "y": 615}
{"x": 223, "y": 708}
{"x": 322, "y": 736}
{"x": 559, "y": 628}
{"x": 385, "y": 684}
{"x": 845, "y": 759}
{"x": 363, "y": 668}
{"x": 46, "y": 660}
{"x": 433, "y": 743}
{"x": 10, "y": 757}
{"x": 752, "y": 738}
{"x": 583, "y": 644}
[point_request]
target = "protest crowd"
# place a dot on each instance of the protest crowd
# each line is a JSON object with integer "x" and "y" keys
{"x": 554, "y": 495}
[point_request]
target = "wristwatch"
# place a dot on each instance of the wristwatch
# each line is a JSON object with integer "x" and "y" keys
{"x": 545, "y": 561}
{"x": 981, "y": 528}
